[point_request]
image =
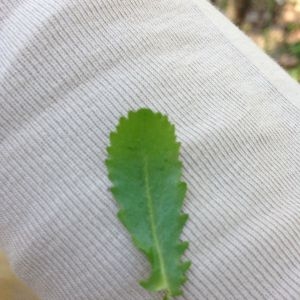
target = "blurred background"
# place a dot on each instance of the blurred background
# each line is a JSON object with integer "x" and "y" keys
{"x": 274, "y": 25}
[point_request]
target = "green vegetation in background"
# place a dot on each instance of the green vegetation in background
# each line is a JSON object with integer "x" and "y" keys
{"x": 262, "y": 20}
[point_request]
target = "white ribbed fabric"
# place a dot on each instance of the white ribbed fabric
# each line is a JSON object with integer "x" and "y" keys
{"x": 68, "y": 70}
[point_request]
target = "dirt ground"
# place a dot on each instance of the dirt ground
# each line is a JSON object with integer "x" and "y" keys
{"x": 11, "y": 288}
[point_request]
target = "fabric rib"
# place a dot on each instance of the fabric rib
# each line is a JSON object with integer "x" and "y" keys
{"x": 68, "y": 70}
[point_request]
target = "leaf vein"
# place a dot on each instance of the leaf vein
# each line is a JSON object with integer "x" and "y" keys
{"x": 150, "y": 207}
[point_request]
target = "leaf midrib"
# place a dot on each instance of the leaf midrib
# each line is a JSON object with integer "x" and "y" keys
{"x": 153, "y": 225}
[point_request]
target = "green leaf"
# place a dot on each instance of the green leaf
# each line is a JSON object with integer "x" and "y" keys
{"x": 145, "y": 171}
